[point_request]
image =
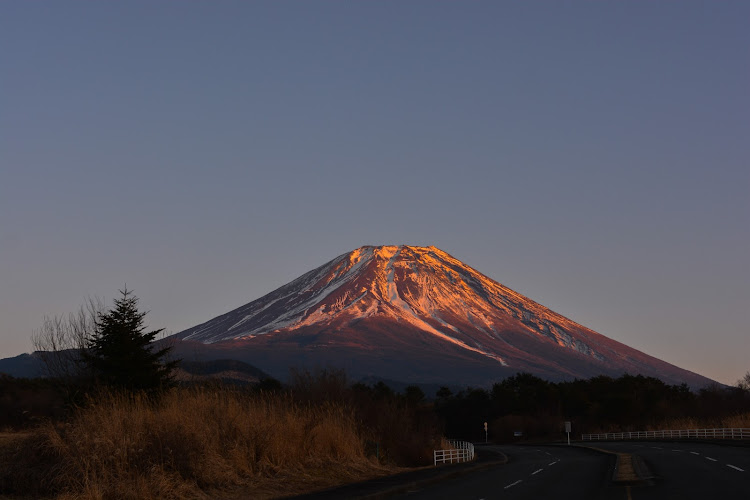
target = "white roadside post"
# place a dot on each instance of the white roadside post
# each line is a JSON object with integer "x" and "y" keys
{"x": 567, "y": 429}
{"x": 485, "y": 432}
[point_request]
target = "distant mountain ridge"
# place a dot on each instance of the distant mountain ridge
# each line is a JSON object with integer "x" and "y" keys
{"x": 224, "y": 370}
{"x": 22, "y": 366}
{"x": 415, "y": 314}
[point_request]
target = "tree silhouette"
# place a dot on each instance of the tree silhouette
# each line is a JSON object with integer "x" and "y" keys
{"x": 120, "y": 352}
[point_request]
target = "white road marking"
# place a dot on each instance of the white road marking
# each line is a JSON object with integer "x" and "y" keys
{"x": 711, "y": 459}
{"x": 735, "y": 467}
{"x": 678, "y": 451}
{"x": 695, "y": 453}
{"x": 537, "y": 471}
{"x": 548, "y": 453}
{"x": 553, "y": 463}
{"x": 512, "y": 484}
{"x": 657, "y": 448}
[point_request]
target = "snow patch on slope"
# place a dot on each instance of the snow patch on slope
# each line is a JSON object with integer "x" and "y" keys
{"x": 439, "y": 295}
{"x": 408, "y": 314}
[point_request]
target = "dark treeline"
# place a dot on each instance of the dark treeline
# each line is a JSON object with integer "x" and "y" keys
{"x": 402, "y": 427}
{"x": 538, "y": 408}
{"x": 398, "y": 428}
{"x": 25, "y": 401}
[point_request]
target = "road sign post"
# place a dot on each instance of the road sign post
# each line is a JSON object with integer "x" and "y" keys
{"x": 567, "y": 430}
{"x": 485, "y": 432}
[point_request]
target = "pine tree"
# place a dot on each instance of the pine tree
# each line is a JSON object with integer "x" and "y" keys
{"x": 120, "y": 353}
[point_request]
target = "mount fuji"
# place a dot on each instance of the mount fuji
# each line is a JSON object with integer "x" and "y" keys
{"x": 414, "y": 314}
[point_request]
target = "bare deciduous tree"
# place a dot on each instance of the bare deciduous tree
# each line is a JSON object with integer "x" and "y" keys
{"x": 61, "y": 339}
{"x": 744, "y": 382}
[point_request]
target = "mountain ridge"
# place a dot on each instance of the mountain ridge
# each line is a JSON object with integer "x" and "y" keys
{"x": 419, "y": 304}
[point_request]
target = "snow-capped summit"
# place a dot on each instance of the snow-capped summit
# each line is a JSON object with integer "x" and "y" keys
{"x": 397, "y": 311}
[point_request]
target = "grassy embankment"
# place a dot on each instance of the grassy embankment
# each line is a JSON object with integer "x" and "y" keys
{"x": 192, "y": 443}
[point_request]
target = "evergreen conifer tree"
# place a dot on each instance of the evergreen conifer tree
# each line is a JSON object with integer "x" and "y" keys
{"x": 120, "y": 353}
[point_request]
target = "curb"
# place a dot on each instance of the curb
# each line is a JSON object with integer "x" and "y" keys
{"x": 630, "y": 469}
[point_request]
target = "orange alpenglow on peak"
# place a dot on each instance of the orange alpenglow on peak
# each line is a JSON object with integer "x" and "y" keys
{"x": 418, "y": 313}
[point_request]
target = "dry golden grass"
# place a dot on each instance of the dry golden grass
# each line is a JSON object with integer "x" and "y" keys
{"x": 445, "y": 444}
{"x": 741, "y": 420}
{"x": 737, "y": 421}
{"x": 8, "y": 437}
{"x": 200, "y": 444}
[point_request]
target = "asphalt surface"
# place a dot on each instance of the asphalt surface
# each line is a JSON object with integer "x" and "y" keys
{"x": 533, "y": 472}
{"x": 389, "y": 486}
{"x": 671, "y": 470}
{"x": 689, "y": 470}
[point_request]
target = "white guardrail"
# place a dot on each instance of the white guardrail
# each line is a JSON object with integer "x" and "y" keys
{"x": 726, "y": 433}
{"x": 462, "y": 452}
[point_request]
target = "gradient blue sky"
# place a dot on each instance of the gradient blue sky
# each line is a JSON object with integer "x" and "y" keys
{"x": 594, "y": 156}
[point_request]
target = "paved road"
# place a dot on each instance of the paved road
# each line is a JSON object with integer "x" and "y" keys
{"x": 688, "y": 470}
{"x": 681, "y": 470}
{"x": 555, "y": 472}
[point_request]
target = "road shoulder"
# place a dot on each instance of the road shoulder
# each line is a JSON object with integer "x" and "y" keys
{"x": 399, "y": 483}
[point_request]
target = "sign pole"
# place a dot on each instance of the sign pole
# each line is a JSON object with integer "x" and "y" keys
{"x": 485, "y": 432}
{"x": 567, "y": 430}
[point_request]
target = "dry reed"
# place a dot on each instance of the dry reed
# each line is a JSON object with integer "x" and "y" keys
{"x": 198, "y": 443}
{"x": 740, "y": 420}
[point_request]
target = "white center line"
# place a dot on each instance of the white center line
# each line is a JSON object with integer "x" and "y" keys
{"x": 695, "y": 453}
{"x": 678, "y": 451}
{"x": 711, "y": 459}
{"x": 553, "y": 463}
{"x": 548, "y": 453}
{"x": 537, "y": 471}
{"x": 657, "y": 448}
{"x": 512, "y": 484}
{"x": 735, "y": 467}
